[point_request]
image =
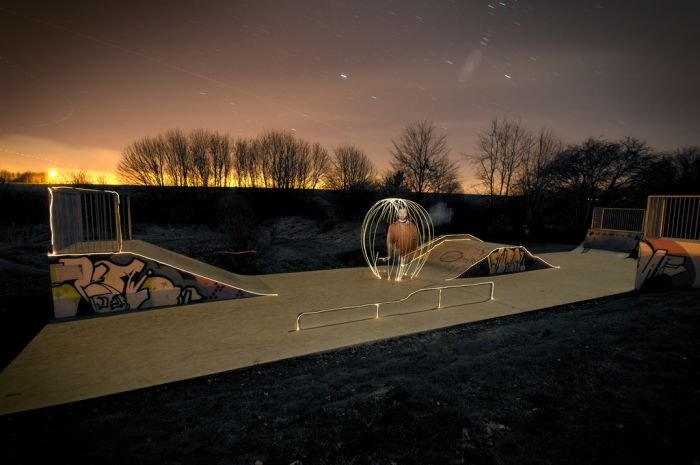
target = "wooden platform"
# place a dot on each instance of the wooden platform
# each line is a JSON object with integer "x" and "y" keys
{"x": 81, "y": 359}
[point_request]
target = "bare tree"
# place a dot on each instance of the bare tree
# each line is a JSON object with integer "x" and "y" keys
{"x": 80, "y": 178}
{"x": 200, "y": 150}
{"x": 320, "y": 165}
{"x": 534, "y": 179}
{"x": 444, "y": 176}
{"x": 598, "y": 168}
{"x": 247, "y": 167}
{"x": 598, "y": 172}
{"x": 278, "y": 154}
{"x": 284, "y": 159}
{"x": 422, "y": 155}
{"x": 503, "y": 149}
{"x": 677, "y": 172}
{"x": 687, "y": 162}
{"x": 393, "y": 182}
{"x": 351, "y": 169}
{"x": 178, "y": 157}
{"x": 143, "y": 162}
{"x": 26, "y": 177}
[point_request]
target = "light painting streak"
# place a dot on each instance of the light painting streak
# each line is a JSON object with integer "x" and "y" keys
{"x": 382, "y": 214}
{"x": 491, "y": 285}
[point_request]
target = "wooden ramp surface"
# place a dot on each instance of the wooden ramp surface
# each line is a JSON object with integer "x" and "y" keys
{"x": 457, "y": 256}
{"x": 81, "y": 359}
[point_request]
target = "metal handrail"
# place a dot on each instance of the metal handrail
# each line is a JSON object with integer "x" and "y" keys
{"x": 491, "y": 285}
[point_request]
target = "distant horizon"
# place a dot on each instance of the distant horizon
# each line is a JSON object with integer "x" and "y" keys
{"x": 62, "y": 175}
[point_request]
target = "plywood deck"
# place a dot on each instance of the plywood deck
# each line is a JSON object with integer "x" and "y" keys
{"x": 76, "y": 360}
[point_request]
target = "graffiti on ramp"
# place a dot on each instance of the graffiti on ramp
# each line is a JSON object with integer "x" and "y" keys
{"x": 665, "y": 263}
{"x": 505, "y": 260}
{"x": 106, "y": 283}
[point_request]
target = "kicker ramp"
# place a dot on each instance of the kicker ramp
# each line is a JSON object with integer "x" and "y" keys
{"x": 465, "y": 256}
{"x": 141, "y": 276}
{"x": 612, "y": 240}
{"x": 668, "y": 263}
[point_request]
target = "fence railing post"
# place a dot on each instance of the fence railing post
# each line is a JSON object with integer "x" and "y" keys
{"x": 86, "y": 220}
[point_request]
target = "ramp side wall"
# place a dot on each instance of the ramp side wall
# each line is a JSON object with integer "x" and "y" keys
{"x": 666, "y": 263}
{"x": 92, "y": 284}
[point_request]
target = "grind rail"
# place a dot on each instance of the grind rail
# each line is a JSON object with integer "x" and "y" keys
{"x": 377, "y": 305}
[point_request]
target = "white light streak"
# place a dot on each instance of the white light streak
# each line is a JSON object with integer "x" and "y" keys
{"x": 376, "y": 305}
{"x": 375, "y": 224}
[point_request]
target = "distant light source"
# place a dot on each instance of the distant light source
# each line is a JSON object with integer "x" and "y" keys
{"x": 343, "y": 76}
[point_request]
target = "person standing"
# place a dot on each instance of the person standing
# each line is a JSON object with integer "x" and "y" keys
{"x": 401, "y": 240}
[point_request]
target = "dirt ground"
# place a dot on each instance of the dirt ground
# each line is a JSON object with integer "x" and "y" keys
{"x": 611, "y": 381}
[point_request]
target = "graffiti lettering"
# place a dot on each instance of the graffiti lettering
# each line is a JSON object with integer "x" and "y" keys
{"x": 665, "y": 263}
{"x": 507, "y": 260}
{"x": 104, "y": 283}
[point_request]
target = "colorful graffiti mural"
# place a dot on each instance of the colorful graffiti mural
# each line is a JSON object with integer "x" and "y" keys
{"x": 504, "y": 260}
{"x": 105, "y": 283}
{"x": 665, "y": 263}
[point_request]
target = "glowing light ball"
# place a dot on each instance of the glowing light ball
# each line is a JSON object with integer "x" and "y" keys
{"x": 393, "y": 234}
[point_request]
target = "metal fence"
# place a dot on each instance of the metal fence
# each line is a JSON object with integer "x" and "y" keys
{"x": 673, "y": 217}
{"x": 618, "y": 219}
{"x": 88, "y": 221}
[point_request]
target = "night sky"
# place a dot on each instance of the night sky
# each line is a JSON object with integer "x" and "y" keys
{"x": 81, "y": 80}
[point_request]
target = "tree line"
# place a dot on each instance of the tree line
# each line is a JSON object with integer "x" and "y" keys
{"x": 544, "y": 174}
{"x": 280, "y": 159}
{"x": 24, "y": 177}
{"x": 511, "y": 161}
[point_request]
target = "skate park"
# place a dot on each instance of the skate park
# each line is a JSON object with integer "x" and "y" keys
{"x": 81, "y": 358}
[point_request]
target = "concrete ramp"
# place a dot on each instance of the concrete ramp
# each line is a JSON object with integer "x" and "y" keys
{"x": 612, "y": 240}
{"x": 668, "y": 263}
{"x": 456, "y": 256}
{"x": 141, "y": 276}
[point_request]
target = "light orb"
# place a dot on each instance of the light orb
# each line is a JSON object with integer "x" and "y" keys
{"x": 374, "y": 239}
